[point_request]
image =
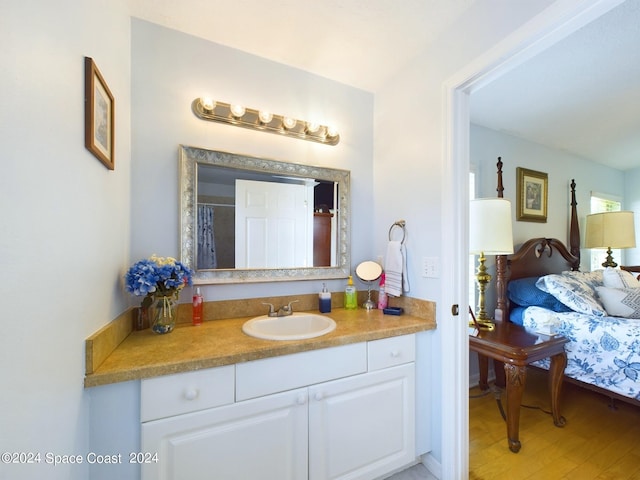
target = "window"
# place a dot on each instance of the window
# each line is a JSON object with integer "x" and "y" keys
{"x": 601, "y": 202}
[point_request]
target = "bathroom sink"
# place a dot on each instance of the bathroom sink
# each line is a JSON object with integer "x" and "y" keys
{"x": 297, "y": 326}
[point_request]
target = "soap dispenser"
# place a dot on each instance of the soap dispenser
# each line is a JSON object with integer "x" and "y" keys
{"x": 350, "y": 296}
{"x": 196, "y": 312}
{"x": 324, "y": 300}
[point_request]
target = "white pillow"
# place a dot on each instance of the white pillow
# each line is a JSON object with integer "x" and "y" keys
{"x": 615, "y": 278}
{"x": 575, "y": 291}
{"x": 620, "y": 302}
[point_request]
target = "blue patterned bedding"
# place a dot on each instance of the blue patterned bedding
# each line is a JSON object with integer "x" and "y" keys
{"x": 602, "y": 350}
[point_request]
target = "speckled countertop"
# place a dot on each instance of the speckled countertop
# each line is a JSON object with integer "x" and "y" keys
{"x": 144, "y": 354}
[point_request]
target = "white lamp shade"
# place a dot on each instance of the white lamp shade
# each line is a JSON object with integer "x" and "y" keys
{"x": 490, "y": 229}
{"x": 610, "y": 230}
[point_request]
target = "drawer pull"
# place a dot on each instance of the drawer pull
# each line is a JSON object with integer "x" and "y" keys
{"x": 191, "y": 393}
{"x": 395, "y": 353}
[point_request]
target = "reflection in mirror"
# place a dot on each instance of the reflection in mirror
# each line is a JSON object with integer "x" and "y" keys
{"x": 247, "y": 219}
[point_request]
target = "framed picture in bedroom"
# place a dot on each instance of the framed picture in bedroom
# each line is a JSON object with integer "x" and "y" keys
{"x": 531, "y": 202}
{"x": 99, "y": 114}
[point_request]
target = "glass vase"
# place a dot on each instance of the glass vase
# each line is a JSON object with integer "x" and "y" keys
{"x": 165, "y": 314}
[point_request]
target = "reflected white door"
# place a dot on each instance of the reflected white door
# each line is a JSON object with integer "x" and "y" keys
{"x": 273, "y": 225}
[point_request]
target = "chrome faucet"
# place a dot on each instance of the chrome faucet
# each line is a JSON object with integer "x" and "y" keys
{"x": 283, "y": 311}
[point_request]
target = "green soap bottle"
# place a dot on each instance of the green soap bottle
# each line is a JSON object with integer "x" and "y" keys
{"x": 350, "y": 295}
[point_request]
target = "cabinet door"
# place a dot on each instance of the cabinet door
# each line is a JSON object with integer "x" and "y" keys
{"x": 261, "y": 438}
{"x": 362, "y": 427}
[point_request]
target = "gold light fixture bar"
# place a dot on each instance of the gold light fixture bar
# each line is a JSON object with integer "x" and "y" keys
{"x": 240, "y": 116}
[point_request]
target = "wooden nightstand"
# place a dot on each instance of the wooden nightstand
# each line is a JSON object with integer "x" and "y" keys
{"x": 516, "y": 347}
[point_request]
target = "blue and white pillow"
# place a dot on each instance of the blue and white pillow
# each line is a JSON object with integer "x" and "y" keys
{"x": 594, "y": 278}
{"x": 575, "y": 290}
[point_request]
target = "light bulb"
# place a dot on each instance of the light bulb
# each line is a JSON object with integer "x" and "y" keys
{"x": 237, "y": 110}
{"x": 207, "y": 103}
{"x": 312, "y": 127}
{"x": 265, "y": 117}
{"x": 289, "y": 122}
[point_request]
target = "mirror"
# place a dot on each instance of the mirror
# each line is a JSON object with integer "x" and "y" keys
{"x": 368, "y": 272}
{"x": 248, "y": 219}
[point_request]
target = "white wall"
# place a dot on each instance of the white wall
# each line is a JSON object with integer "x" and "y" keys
{"x": 65, "y": 221}
{"x": 632, "y": 202}
{"x": 561, "y": 167}
{"x": 170, "y": 69}
{"x": 409, "y": 168}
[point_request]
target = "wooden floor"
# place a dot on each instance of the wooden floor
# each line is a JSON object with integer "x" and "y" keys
{"x": 596, "y": 443}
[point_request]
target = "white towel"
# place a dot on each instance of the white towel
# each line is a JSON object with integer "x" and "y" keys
{"x": 394, "y": 269}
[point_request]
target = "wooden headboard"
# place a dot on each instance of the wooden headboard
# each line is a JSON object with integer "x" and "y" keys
{"x": 536, "y": 257}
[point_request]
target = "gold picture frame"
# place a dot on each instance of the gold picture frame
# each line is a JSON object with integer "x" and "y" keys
{"x": 99, "y": 115}
{"x": 533, "y": 195}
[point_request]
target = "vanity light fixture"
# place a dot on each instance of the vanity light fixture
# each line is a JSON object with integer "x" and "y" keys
{"x": 206, "y": 108}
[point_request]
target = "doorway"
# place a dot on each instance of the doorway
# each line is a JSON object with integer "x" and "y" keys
{"x": 558, "y": 21}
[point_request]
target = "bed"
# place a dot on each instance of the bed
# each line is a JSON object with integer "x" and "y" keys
{"x": 541, "y": 287}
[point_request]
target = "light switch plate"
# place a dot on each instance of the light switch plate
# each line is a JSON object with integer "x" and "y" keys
{"x": 430, "y": 267}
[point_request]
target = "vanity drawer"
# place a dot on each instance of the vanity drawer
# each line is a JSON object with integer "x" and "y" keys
{"x": 186, "y": 392}
{"x": 278, "y": 374}
{"x": 392, "y": 351}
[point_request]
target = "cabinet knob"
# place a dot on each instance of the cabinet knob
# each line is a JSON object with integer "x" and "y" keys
{"x": 318, "y": 396}
{"x": 395, "y": 353}
{"x": 191, "y": 393}
{"x": 302, "y": 399}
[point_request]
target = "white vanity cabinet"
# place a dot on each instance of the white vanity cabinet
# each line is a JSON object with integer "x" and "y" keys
{"x": 362, "y": 427}
{"x": 344, "y": 412}
{"x": 264, "y": 438}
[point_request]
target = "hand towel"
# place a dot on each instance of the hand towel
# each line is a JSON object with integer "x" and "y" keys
{"x": 394, "y": 267}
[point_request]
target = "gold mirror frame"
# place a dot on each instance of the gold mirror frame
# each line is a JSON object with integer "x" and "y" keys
{"x": 191, "y": 157}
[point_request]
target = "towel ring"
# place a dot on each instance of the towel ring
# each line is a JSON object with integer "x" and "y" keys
{"x": 401, "y": 224}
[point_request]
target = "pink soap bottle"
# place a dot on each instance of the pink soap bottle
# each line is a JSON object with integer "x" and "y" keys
{"x": 198, "y": 302}
{"x": 383, "y": 300}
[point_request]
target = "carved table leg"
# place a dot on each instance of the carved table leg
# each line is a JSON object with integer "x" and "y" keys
{"x": 483, "y": 366}
{"x": 515, "y": 379}
{"x": 556, "y": 372}
{"x": 498, "y": 368}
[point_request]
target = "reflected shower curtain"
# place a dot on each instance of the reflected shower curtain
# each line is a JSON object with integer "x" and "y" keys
{"x": 206, "y": 258}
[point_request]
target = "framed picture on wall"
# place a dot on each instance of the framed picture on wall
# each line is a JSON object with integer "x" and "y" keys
{"x": 531, "y": 203}
{"x": 98, "y": 115}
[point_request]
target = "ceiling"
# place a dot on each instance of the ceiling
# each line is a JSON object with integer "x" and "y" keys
{"x": 357, "y": 42}
{"x": 581, "y": 96}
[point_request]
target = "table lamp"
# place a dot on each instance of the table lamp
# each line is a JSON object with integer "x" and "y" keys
{"x": 490, "y": 232}
{"x": 610, "y": 230}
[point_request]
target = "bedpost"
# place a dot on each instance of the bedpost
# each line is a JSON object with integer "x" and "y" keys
{"x": 500, "y": 188}
{"x": 574, "y": 229}
{"x": 501, "y": 312}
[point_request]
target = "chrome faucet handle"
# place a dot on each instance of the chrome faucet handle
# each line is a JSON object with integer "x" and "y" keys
{"x": 288, "y": 308}
{"x": 272, "y": 309}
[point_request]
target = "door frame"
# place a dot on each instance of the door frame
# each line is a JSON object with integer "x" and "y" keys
{"x": 559, "y": 20}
